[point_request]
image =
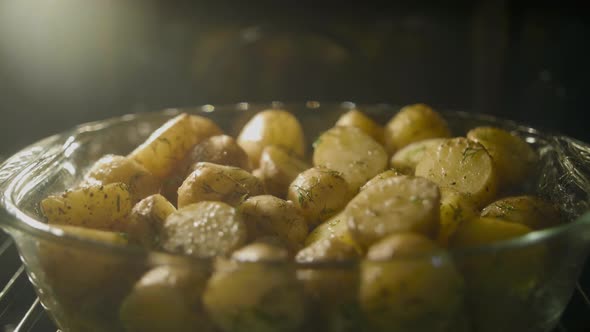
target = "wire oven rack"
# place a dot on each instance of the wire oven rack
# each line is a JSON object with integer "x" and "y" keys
{"x": 20, "y": 310}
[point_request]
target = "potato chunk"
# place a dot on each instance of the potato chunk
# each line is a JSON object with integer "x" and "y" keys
{"x": 353, "y": 153}
{"x": 355, "y": 118}
{"x": 393, "y": 205}
{"x": 414, "y": 123}
{"x": 410, "y": 155}
{"x": 204, "y": 229}
{"x": 95, "y": 206}
{"x": 169, "y": 144}
{"x": 392, "y": 172}
{"x": 269, "y": 215}
{"x": 402, "y": 289}
{"x": 212, "y": 182}
{"x": 514, "y": 158}
{"x": 166, "y": 298}
{"x": 112, "y": 169}
{"x": 147, "y": 219}
{"x": 463, "y": 165}
{"x": 221, "y": 150}
{"x": 334, "y": 228}
{"x": 319, "y": 193}
{"x": 530, "y": 211}
{"x": 455, "y": 208}
{"x": 248, "y": 296}
{"x": 278, "y": 169}
{"x": 271, "y": 127}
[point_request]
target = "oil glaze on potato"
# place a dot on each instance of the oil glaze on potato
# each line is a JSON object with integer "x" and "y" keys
{"x": 350, "y": 151}
{"x": 530, "y": 211}
{"x": 278, "y": 168}
{"x": 205, "y": 229}
{"x": 455, "y": 209}
{"x": 147, "y": 219}
{"x": 271, "y": 127}
{"x": 95, "y": 206}
{"x": 393, "y": 205}
{"x": 319, "y": 193}
{"x": 414, "y": 123}
{"x": 212, "y": 182}
{"x": 410, "y": 155}
{"x": 463, "y": 165}
{"x": 355, "y": 118}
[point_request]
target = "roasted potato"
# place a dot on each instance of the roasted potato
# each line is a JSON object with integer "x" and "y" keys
{"x": 95, "y": 206}
{"x": 393, "y": 205}
{"x": 147, "y": 219}
{"x": 353, "y": 153}
{"x": 278, "y": 168}
{"x": 514, "y": 158}
{"x": 319, "y": 193}
{"x": 112, "y": 169}
{"x": 168, "y": 145}
{"x": 248, "y": 296}
{"x": 272, "y": 127}
{"x": 406, "y": 159}
{"x": 204, "y": 229}
{"x": 212, "y": 182}
{"x": 414, "y": 123}
{"x": 463, "y": 165}
{"x": 167, "y": 298}
{"x": 530, "y": 211}
{"x": 392, "y": 172}
{"x": 333, "y": 228}
{"x": 402, "y": 289}
{"x": 455, "y": 208}
{"x": 355, "y": 118}
{"x": 268, "y": 215}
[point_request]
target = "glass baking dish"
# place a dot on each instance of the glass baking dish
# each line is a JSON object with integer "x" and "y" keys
{"x": 517, "y": 285}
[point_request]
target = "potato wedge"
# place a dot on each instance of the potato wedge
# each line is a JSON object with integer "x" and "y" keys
{"x": 204, "y": 229}
{"x": 212, "y": 182}
{"x": 463, "y": 165}
{"x": 269, "y": 215}
{"x": 410, "y": 155}
{"x": 392, "y": 172}
{"x": 353, "y": 153}
{"x": 414, "y": 123}
{"x": 179, "y": 289}
{"x": 393, "y": 205}
{"x": 319, "y": 193}
{"x": 112, "y": 169}
{"x": 514, "y": 158}
{"x": 355, "y": 118}
{"x": 246, "y": 296}
{"x": 95, "y": 206}
{"x": 413, "y": 294}
{"x": 169, "y": 144}
{"x": 278, "y": 169}
{"x": 147, "y": 219}
{"x": 531, "y": 211}
{"x": 455, "y": 208}
{"x": 272, "y": 127}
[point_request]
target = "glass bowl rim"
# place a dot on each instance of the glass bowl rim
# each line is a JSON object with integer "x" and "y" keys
{"x": 14, "y": 219}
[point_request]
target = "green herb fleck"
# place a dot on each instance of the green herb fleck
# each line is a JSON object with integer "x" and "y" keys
{"x": 471, "y": 151}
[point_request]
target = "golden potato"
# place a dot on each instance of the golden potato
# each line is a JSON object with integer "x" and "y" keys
{"x": 204, "y": 229}
{"x": 530, "y": 211}
{"x": 147, "y": 219}
{"x": 319, "y": 193}
{"x": 222, "y": 150}
{"x": 355, "y": 118}
{"x": 463, "y": 165}
{"x": 112, "y": 169}
{"x": 353, "y": 153}
{"x": 414, "y": 123}
{"x": 212, "y": 182}
{"x": 269, "y": 215}
{"x": 455, "y": 208}
{"x": 392, "y": 172}
{"x": 333, "y": 228}
{"x": 514, "y": 158}
{"x": 166, "y": 298}
{"x": 410, "y": 155}
{"x": 261, "y": 251}
{"x": 168, "y": 145}
{"x": 481, "y": 231}
{"x": 95, "y": 206}
{"x": 278, "y": 169}
{"x": 393, "y": 205}
{"x": 272, "y": 127}
{"x": 403, "y": 289}
{"x": 247, "y": 296}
